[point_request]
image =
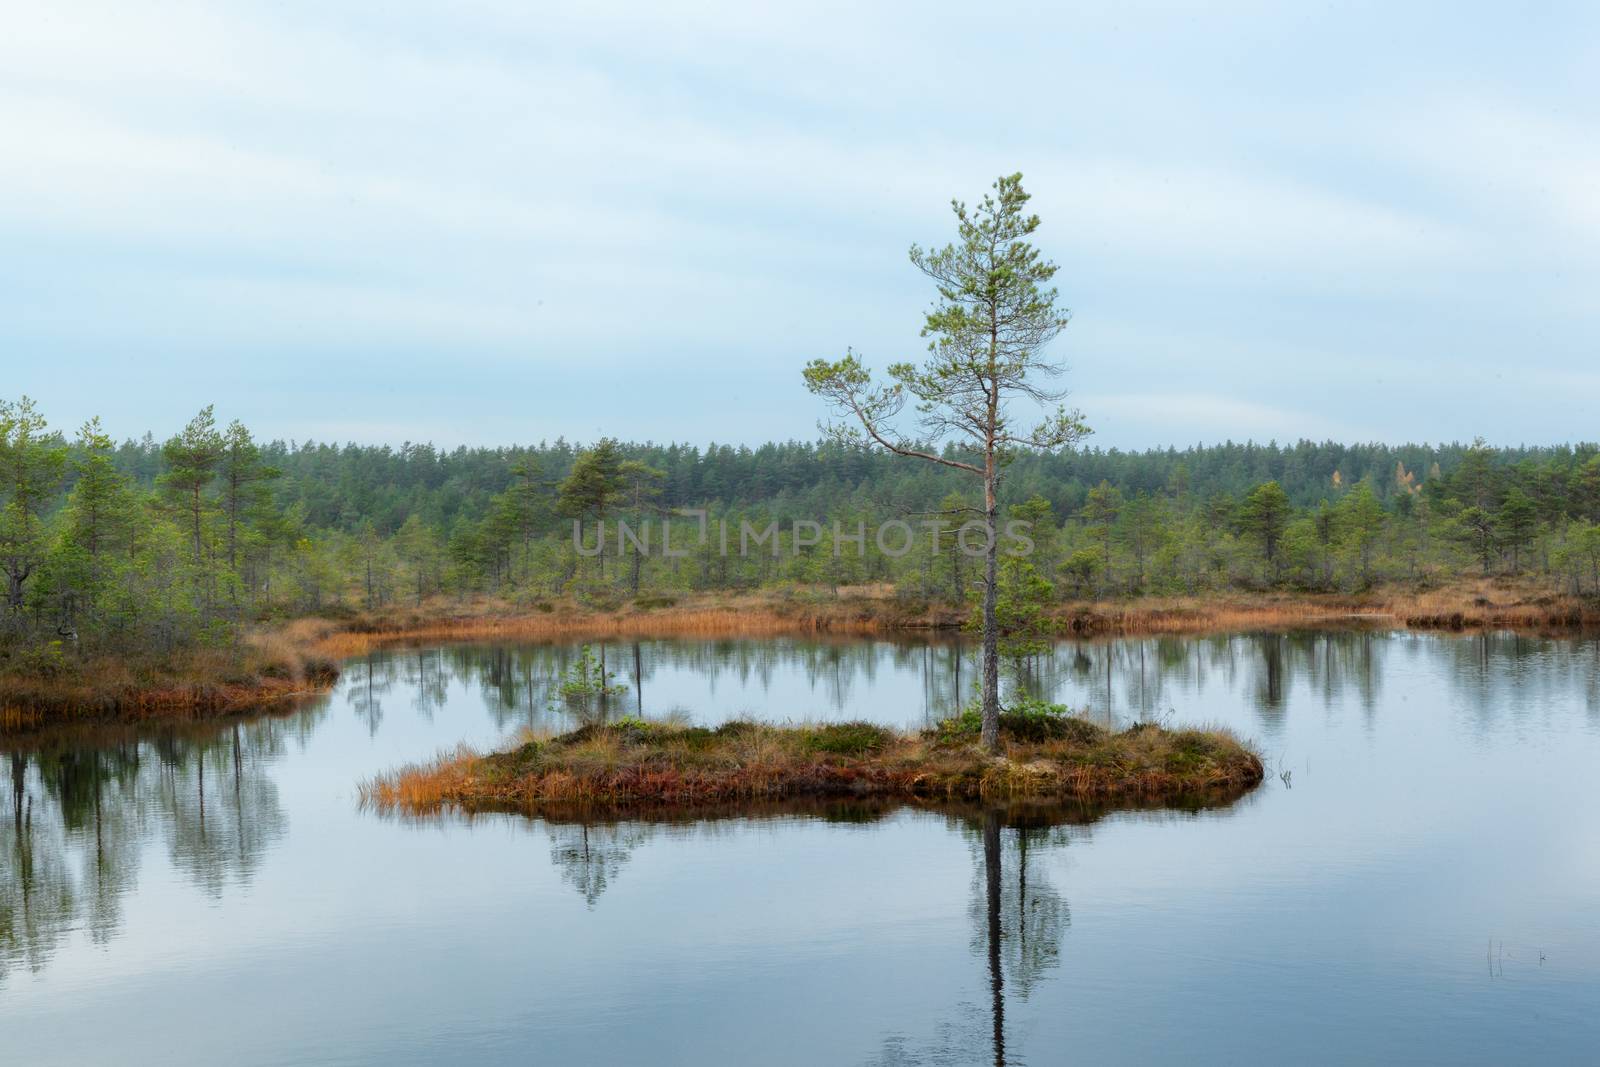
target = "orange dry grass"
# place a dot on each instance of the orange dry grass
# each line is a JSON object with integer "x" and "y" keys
{"x": 1183, "y": 615}
{"x": 1496, "y": 603}
{"x": 750, "y": 615}
{"x": 1485, "y": 603}
{"x": 421, "y": 786}
{"x": 874, "y": 610}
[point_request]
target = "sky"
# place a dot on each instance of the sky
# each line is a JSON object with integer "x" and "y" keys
{"x": 499, "y": 221}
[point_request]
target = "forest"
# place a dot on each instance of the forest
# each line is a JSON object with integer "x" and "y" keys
{"x": 157, "y": 544}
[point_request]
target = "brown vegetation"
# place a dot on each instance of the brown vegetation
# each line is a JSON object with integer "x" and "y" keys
{"x": 636, "y": 763}
{"x": 871, "y": 610}
{"x": 852, "y": 612}
{"x": 57, "y": 686}
{"x": 1481, "y": 604}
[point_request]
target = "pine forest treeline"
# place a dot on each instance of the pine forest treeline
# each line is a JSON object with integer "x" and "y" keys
{"x": 159, "y": 543}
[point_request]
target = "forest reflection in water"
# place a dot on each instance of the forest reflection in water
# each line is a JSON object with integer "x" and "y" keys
{"x": 1016, "y": 914}
{"x": 85, "y": 803}
{"x": 91, "y": 812}
{"x": 914, "y": 683}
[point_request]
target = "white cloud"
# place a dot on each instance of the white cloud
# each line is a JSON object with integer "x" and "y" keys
{"x": 672, "y": 180}
{"x": 1188, "y": 417}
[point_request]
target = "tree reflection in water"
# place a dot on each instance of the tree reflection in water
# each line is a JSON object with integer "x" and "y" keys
{"x": 83, "y": 804}
{"x": 1018, "y": 919}
{"x": 80, "y": 805}
{"x": 1117, "y": 681}
{"x": 590, "y": 855}
{"x": 1017, "y": 915}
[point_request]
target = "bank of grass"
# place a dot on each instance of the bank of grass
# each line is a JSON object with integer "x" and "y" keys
{"x": 850, "y": 612}
{"x": 864, "y": 611}
{"x": 1467, "y": 604}
{"x": 636, "y": 763}
{"x": 56, "y": 686}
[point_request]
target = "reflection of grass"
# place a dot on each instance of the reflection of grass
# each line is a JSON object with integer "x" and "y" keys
{"x": 637, "y": 762}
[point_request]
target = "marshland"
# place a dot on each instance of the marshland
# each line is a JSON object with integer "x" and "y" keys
{"x": 635, "y": 534}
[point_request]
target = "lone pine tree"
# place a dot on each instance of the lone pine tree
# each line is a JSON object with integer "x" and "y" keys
{"x": 987, "y": 331}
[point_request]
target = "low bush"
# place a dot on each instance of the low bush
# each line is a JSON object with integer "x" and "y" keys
{"x": 848, "y": 739}
{"x": 1026, "y": 719}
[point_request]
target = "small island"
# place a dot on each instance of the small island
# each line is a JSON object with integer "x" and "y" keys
{"x": 1045, "y": 755}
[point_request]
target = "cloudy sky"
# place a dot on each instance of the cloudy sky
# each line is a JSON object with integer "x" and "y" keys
{"x": 501, "y": 220}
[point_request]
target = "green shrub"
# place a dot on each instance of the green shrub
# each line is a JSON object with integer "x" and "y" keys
{"x": 696, "y": 738}
{"x": 276, "y": 669}
{"x": 46, "y": 662}
{"x": 962, "y": 727}
{"x": 635, "y": 730}
{"x": 848, "y": 738}
{"x": 320, "y": 669}
{"x": 1027, "y": 720}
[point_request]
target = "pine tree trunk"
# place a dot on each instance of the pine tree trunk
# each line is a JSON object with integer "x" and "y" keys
{"x": 991, "y": 627}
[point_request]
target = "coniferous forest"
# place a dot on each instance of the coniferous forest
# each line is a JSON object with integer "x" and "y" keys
{"x": 167, "y": 542}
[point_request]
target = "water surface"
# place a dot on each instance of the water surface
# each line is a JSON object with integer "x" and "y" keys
{"x": 1418, "y": 879}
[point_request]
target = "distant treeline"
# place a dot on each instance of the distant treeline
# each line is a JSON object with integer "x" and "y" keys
{"x": 342, "y": 486}
{"x": 180, "y": 541}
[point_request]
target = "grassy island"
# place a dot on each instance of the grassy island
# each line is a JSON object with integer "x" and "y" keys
{"x": 636, "y": 763}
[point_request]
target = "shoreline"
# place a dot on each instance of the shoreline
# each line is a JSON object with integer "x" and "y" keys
{"x": 269, "y": 670}
{"x": 281, "y": 663}
{"x": 867, "y": 612}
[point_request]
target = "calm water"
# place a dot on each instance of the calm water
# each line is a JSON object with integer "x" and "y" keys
{"x": 1424, "y": 886}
